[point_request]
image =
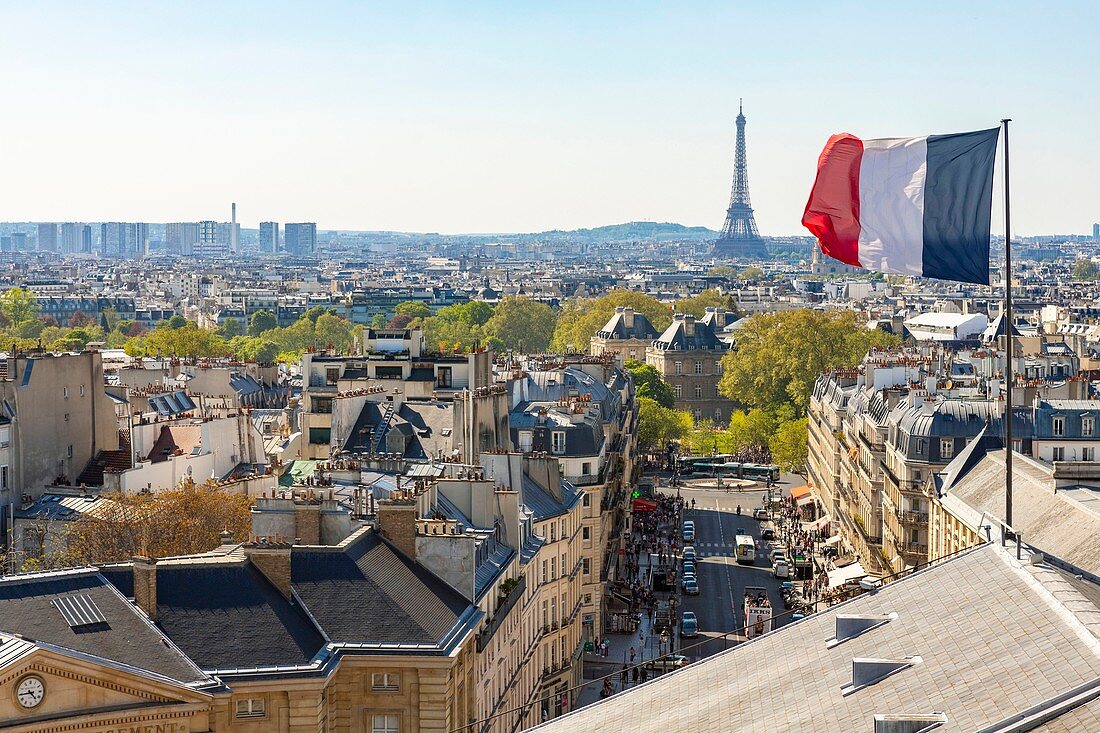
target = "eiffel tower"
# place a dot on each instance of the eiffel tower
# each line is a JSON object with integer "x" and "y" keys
{"x": 740, "y": 237}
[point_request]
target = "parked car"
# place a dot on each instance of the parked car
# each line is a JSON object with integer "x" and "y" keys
{"x": 777, "y": 553}
{"x": 688, "y": 524}
{"x": 689, "y": 554}
{"x": 767, "y": 534}
{"x": 689, "y": 568}
{"x": 668, "y": 663}
{"x": 782, "y": 569}
{"x": 691, "y": 586}
{"x": 689, "y": 624}
{"x": 689, "y": 536}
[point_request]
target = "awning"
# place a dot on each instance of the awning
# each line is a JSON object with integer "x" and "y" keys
{"x": 800, "y": 491}
{"x": 846, "y": 574}
{"x": 644, "y": 505}
{"x": 816, "y": 524}
{"x": 834, "y": 540}
{"x": 804, "y": 500}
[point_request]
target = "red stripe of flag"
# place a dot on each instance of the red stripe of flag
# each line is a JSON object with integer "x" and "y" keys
{"x": 832, "y": 213}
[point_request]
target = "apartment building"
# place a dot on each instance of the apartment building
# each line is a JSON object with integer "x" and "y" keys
{"x": 626, "y": 334}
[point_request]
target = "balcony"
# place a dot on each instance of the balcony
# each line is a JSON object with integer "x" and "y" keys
{"x": 913, "y": 517}
{"x": 503, "y": 609}
{"x": 916, "y": 548}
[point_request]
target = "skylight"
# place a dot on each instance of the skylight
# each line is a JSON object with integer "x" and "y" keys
{"x": 79, "y": 611}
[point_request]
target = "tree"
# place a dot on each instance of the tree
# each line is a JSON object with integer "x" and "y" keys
{"x": 789, "y": 445}
{"x": 412, "y": 308}
{"x": 177, "y": 321}
{"x": 721, "y": 271}
{"x": 19, "y": 305}
{"x": 377, "y": 321}
{"x": 1085, "y": 270}
{"x": 522, "y": 324}
{"x": 778, "y": 356}
{"x": 229, "y": 327}
{"x": 751, "y": 429}
{"x": 658, "y": 426}
{"x": 183, "y": 520}
{"x": 697, "y": 304}
{"x": 579, "y": 319}
{"x": 649, "y": 383}
{"x": 80, "y": 318}
{"x": 402, "y": 320}
{"x": 332, "y": 331}
{"x": 751, "y": 273}
{"x": 109, "y": 319}
{"x": 261, "y": 321}
{"x": 188, "y": 341}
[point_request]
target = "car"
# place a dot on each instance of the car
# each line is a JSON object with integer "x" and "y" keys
{"x": 767, "y": 534}
{"x": 777, "y": 553}
{"x": 691, "y": 587}
{"x": 689, "y": 624}
{"x": 689, "y": 536}
{"x": 689, "y": 554}
{"x": 689, "y": 568}
{"x": 667, "y": 663}
{"x": 689, "y": 524}
{"x": 782, "y": 568}
{"x": 761, "y": 514}
{"x": 689, "y": 576}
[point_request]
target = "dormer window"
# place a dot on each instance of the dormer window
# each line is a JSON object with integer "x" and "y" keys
{"x": 1058, "y": 426}
{"x": 947, "y": 447}
{"x": 557, "y": 442}
{"x": 1088, "y": 426}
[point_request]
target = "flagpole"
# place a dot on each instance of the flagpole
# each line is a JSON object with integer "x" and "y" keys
{"x": 1008, "y": 340}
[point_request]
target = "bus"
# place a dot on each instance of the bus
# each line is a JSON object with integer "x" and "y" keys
{"x": 760, "y": 472}
{"x": 732, "y": 469}
{"x": 745, "y": 549}
{"x": 701, "y": 464}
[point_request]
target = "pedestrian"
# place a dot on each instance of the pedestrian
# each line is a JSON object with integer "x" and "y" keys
{"x": 622, "y": 678}
{"x": 634, "y": 675}
{"x": 632, "y": 654}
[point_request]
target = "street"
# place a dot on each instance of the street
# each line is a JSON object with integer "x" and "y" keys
{"x": 722, "y": 581}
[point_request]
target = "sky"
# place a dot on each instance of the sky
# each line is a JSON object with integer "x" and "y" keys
{"x": 461, "y": 117}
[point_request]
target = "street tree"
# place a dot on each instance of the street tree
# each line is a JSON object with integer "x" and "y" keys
{"x": 521, "y": 324}
{"x": 789, "y": 445}
{"x": 649, "y": 383}
{"x": 658, "y": 426}
{"x": 777, "y": 356}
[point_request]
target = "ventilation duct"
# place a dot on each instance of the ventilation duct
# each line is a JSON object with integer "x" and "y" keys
{"x": 849, "y": 626}
{"x": 908, "y": 723}
{"x": 867, "y": 671}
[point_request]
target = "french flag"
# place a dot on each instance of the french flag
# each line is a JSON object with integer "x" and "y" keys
{"x": 913, "y": 206}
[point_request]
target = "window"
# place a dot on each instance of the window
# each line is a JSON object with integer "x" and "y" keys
{"x": 544, "y": 573}
{"x": 587, "y": 598}
{"x": 586, "y": 469}
{"x": 1088, "y": 454}
{"x": 564, "y": 565}
{"x": 388, "y": 372}
{"x": 65, "y": 392}
{"x": 5, "y": 436}
{"x": 698, "y": 391}
{"x": 718, "y": 414}
{"x": 82, "y": 390}
{"x": 678, "y": 367}
{"x": 1088, "y": 426}
{"x": 914, "y": 536}
{"x": 557, "y": 442}
{"x": 443, "y": 377}
{"x": 586, "y": 532}
{"x": 331, "y": 375}
{"x": 698, "y": 367}
{"x": 67, "y": 417}
{"x": 320, "y": 436}
{"x": 586, "y": 566}
{"x": 3, "y": 478}
{"x": 678, "y": 391}
{"x": 321, "y": 405}
{"x": 921, "y": 445}
{"x": 384, "y": 724}
{"x": 385, "y": 682}
{"x": 1059, "y": 454}
{"x": 251, "y": 707}
{"x": 718, "y": 367}
{"x": 69, "y": 451}
{"x": 586, "y": 500}
{"x": 947, "y": 447}
{"x": 1057, "y": 426}
{"x": 526, "y": 441}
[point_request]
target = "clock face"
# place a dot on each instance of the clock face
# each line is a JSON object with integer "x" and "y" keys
{"x": 30, "y": 691}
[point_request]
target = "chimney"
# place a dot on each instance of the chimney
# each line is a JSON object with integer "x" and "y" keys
{"x": 628, "y": 317}
{"x": 397, "y": 523}
{"x": 273, "y": 560}
{"x": 307, "y": 523}
{"x": 226, "y": 537}
{"x": 145, "y": 585}
{"x": 689, "y": 325}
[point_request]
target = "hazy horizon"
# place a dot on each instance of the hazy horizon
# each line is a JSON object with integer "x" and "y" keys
{"x": 494, "y": 118}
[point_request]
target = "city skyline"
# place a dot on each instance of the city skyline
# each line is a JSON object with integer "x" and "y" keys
{"x": 498, "y": 119}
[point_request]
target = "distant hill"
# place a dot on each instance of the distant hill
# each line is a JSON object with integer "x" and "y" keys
{"x": 636, "y": 230}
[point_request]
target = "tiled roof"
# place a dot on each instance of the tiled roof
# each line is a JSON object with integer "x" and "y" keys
{"x": 198, "y": 603}
{"x": 993, "y": 642}
{"x": 367, "y": 592}
{"x": 127, "y": 637}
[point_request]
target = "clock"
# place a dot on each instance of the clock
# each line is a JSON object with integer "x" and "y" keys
{"x": 30, "y": 691}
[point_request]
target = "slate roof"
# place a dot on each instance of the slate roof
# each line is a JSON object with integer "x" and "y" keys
{"x": 1055, "y": 523}
{"x": 197, "y": 603}
{"x": 616, "y": 328}
{"x": 367, "y": 592}
{"x": 994, "y": 640}
{"x": 677, "y": 338}
{"x": 127, "y": 637}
